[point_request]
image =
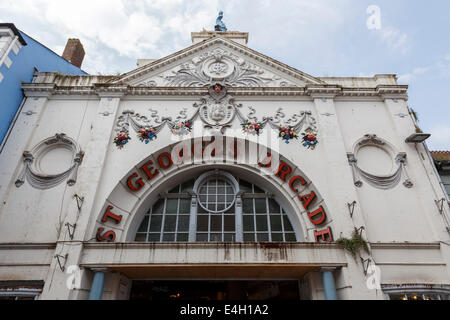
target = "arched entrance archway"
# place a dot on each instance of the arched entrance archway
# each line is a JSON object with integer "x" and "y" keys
{"x": 155, "y": 177}
{"x": 158, "y": 173}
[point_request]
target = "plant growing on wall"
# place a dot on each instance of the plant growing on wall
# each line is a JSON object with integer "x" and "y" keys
{"x": 354, "y": 244}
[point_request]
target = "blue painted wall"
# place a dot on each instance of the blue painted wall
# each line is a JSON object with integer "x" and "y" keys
{"x": 33, "y": 55}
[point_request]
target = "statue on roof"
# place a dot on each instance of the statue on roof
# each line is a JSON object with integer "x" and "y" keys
{"x": 220, "y": 26}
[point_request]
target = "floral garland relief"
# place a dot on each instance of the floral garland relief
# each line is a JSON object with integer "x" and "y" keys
{"x": 181, "y": 127}
{"x": 122, "y": 139}
{"x": 286, "y": 131}
{"x": 252, "y": 127}
{"x": 310, "y": 140}
{"x": 147, "y": 134}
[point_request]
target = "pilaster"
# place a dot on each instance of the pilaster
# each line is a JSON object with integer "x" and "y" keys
{"x": 27, "y": 120}
{"x": 89, "y": 176}
{"x": 339, "y": 173}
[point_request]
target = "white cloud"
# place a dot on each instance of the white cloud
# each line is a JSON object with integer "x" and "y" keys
{"x": 108, "y": 28}
{"x": 395, "y": 39}
{"x": 114, "y": 30}
{"x": 440, "y": 138}
{"x": 409, "y": 77}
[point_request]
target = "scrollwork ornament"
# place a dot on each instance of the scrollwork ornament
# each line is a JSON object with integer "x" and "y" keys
{"x": 41, "y": 180}
{"x": 379, "y": 181}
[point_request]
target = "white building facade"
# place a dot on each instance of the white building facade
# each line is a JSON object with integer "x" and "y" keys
{"x": 219, "y": 165}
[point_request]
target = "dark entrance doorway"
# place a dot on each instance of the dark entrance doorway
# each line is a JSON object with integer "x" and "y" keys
{"x": 214, "y": 290}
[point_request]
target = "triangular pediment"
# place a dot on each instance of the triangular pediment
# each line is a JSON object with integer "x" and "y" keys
{"x": 216, "y": 60}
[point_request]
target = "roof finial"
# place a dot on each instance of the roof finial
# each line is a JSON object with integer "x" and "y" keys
{"x": 220, "y": 26}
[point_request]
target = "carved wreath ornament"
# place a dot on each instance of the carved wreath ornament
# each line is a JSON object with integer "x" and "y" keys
{"x": 217, "y": 111}
{"x": 32, "y": 171}
{"x": 384, "y": 182}
{"x": 217, "y": 65}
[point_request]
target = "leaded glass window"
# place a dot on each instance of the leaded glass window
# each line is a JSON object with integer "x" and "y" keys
{"x": 205, "y": 210}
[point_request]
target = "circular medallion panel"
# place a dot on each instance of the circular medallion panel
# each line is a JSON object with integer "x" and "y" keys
{"x": 218, "y": 69}
{"x": 375, "y": 160}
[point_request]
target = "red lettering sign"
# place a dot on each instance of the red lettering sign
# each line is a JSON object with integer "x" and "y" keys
{"x": 161, "y": 160}
{"x": 139, "y": 182}
{"x": 283, "y": 170}
{"x": 110, "y": 235}
{"x": 109, "y": 214}
{"x": 148, "y": 171}
{"x": 296, "y": 178}
{"x": 307, "y": 199}
{"x": 267, "y": 162}
{"x": 322, "y": 216}
{"x": 324, "y": 235}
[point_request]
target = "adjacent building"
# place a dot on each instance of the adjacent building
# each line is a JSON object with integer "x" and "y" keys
{"x": 219, "y": 173}
{"x": 20, "y": 57}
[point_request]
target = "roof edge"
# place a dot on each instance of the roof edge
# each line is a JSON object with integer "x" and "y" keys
{"x": 15, "y": 31}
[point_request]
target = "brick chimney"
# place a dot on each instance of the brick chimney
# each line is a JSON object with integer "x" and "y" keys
{"x": 74, "y": 52}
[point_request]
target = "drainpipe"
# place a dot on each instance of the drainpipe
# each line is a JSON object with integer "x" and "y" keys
{"x": 329, "y": 285}
{"x": 97, "y": 284}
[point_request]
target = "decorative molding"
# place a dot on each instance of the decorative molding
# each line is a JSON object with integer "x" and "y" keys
{"x": 41, "y": 180}
{"x": 204, "y": 45}
{"x": 371, "y": 139}
{"x": 219, "y": 65}
{"x": 38, "y": 90}
{"x": 379, "y": 181}
{"x": 46, "y": 90}
{"x": 217, "y": 110}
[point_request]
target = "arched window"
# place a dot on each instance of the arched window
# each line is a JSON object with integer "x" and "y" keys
{"x": 216, "y": 207}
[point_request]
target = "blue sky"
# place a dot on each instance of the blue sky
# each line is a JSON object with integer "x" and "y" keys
{"x": 320, "y": 37}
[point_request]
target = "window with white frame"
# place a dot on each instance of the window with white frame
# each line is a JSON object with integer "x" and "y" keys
{"x": 216, "y": 207}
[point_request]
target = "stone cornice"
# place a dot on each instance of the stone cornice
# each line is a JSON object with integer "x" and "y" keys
{"x": 110, "y": 91}
{"x": 119, "y": 90}
{"x": 393, "y": 92}
{"x": 323, "y": 91}
{"x": 38, "y": 90}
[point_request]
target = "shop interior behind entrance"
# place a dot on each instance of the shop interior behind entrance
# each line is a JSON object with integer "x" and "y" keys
{"x": 215, "y": 290}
